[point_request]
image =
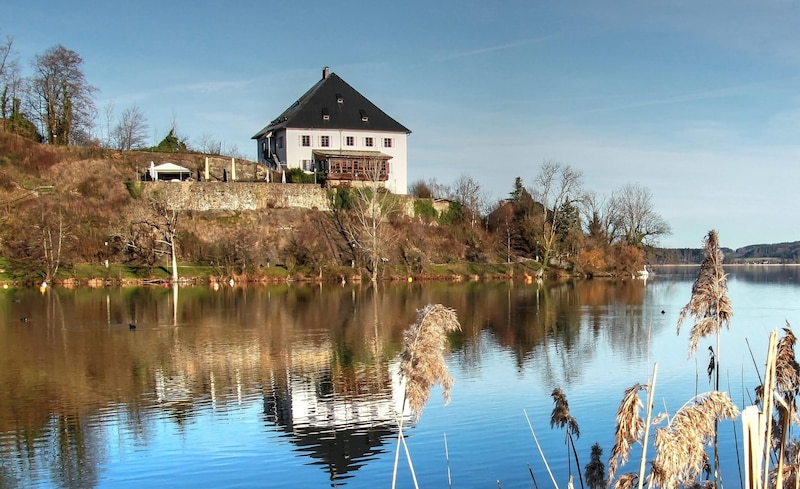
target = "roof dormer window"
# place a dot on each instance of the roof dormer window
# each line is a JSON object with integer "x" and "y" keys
{"x": 325, "y": 115}
{"x": 364, "y": 116}
{"x": 339, "y": 98}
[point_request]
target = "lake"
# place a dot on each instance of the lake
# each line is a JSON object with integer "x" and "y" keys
{"x": 297, "y": 386}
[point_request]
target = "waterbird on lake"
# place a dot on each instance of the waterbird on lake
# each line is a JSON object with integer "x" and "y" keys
{"x": 23, "y": 319}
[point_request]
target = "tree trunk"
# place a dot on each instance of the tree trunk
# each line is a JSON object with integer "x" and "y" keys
{"x": 174, "y": 263}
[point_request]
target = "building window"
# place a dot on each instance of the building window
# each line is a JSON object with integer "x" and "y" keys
{"x": 280, "y": 142}
{"x": 350, "y": 141}
{"x": 387, "y": 142}
{"x": 369, "y": 142}
{"x": 364, "y": 116}
{"x": 325, "y": 141}
{"x": 305, "y": 140}
{"x": 325, "y": 115}
{"x": 307, "y": 165}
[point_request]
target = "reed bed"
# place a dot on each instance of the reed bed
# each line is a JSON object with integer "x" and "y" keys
{"x": 681, "y": 440}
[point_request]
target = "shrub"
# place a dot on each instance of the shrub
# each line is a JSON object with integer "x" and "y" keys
{"x": 454, "y": 214}
{"x": 135, "y": 188}
{"x": 423, "y": 209}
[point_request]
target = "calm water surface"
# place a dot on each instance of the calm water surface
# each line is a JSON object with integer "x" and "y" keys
{"x": 291, "y": 386}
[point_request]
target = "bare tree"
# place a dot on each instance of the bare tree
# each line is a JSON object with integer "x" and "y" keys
{"x": 62, "y": 98}
{"x": 39, "y": 241}
{"x": 429, "y": 189}
{"x": 234, "y": 152}
{"x": 166, "y": 222}
{"x": 108, "y": 115}
{"x": 469, "y": 193}
{"x": 9, "y": 76}
{"x": 12, "y": 92}
{"x": 149, "y": 228}
{"x": 209, "y": 145}
{"x": 53, "y": 235}
{"x": 640, "y": 223}
{"x": 374, "y": 205}
{"x": 555, "y": 187}
{"x": 131, "y": 130}
{"x": 362, "y": 220}
{"x": 601, "y": 216}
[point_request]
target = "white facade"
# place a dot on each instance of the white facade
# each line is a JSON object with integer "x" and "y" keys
{"x": 294, "y": 148}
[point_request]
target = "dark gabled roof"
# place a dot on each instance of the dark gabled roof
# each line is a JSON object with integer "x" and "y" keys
{"x": 333, "y": 104}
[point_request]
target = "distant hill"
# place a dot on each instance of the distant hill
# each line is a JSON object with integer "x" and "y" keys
{"x": 757, "y": 253}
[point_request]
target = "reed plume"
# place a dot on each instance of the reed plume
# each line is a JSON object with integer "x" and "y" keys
{"x": 562, "y": 418}
{"x": 595, "y": 471}
{"x": 790, "y": 470}
{"x": 627, "y": 481}
{"x": 709, "y": 306}
{"x": 787, "y": 370}
{"x": 422, "y": 363}
{"x": 680, "y": 447}
{"x": 630, "y": 427}
{"x": 422, "y": 366}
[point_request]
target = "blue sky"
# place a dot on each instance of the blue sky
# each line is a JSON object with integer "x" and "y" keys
{"x": 697, "y": 101}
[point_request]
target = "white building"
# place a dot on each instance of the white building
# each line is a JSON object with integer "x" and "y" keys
{"x": 334, "y": 129}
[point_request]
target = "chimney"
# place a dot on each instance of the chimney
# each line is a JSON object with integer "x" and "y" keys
{"x": 325, "y": 72}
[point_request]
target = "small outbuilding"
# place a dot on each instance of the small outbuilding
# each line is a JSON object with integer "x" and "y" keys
{"x": 169, "y": 172}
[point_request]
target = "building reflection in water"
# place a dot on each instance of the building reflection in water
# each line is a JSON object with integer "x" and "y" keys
{"x": 341, "y": 417}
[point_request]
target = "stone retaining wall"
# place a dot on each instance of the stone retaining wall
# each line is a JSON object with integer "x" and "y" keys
{"x": 247, "y": 196}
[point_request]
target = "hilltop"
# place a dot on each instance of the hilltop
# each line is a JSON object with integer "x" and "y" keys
{"x": 752, "y": 254}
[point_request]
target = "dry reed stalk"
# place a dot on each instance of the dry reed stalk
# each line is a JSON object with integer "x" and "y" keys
{"x": 768, "y": 391}
{"x": 422, "y": 359}
{"x": 650, "y": 394}
{"x": 752, "y": 440}
{"x": 630, "y": 427}
{"x": 544, "y": 459}
{"x": 447, "y": 457}
{"x": 709, "y": 306}
{"x": 680, "y": 447}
